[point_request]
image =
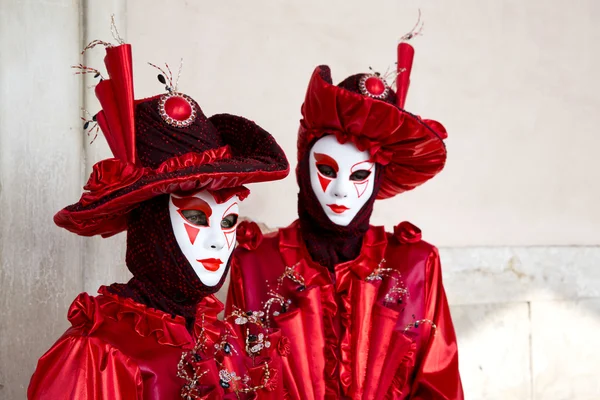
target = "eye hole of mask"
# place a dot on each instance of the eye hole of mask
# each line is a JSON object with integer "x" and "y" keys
{"x": 326, "y": 170}
{"x": 195, "y": 217}
{"x": 229, "y": 221}
{"x": 360, "y": 175}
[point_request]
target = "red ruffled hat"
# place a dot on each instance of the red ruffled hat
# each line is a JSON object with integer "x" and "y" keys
{"x": 163, "y": 144}
{"x": 364, "y": 110}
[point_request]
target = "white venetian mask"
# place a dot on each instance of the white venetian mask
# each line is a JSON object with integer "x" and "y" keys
{"x": 205, "y": 232}
{"x": 342, "y": 178}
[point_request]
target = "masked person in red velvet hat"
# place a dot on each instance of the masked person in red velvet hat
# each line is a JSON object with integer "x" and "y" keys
{"x": 175, "y": 185}
{"x": 365, "y": 310}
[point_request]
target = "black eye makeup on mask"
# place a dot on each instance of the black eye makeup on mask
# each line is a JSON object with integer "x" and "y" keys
{"x": 360, "y": 175}
{"x": 195, "y": 217}
{"x": 326, "y": 170}
{"x": 229, "y": 221}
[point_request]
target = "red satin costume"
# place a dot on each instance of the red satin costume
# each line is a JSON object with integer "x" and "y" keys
{"x": 118, "y": 349}
{"x": 157, "y": 336}
{"x": 430, "y": 362}
{"x": 348, "y": 341}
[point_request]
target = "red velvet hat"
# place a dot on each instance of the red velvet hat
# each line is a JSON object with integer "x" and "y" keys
{"x": 364, "y": 110}
{"x": 163, "y": 144}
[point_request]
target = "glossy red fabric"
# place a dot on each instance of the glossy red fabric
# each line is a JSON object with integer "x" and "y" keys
{"x": 343, "y": 325}
{"x": 154, "y": 157}
{"x": 411, "y": 149}
{"x": 116, "y": 98}
{"x": 114, "y": 188}
{"x": 119, "y": 349}
{"x": 111, "y": 175}
{"x": 406, "y": 54}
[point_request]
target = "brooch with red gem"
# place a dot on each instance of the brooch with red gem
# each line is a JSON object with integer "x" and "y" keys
{"x": 176, "y": 109}
{"x": 373, "y": 85}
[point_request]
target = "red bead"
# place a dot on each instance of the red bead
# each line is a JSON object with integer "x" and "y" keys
{"x": 375, "y": 86}
{"x": 178, "y": 108}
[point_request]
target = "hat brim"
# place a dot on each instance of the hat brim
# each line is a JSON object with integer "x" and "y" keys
{"x": 251, "y": 155}
{"x": 411, "y": 149}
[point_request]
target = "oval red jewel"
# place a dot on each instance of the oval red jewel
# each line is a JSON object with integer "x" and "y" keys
{"x": 375, "y": 86}
{"x": 178, "y": 108}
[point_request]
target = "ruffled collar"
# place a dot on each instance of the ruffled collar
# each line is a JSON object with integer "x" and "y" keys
{"x": 294, "y": 253}
{"x": 91, "y": 311}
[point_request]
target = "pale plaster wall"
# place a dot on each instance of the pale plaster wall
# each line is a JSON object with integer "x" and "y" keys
{"x": 514, "y": 82}
{"x": 41, "y": 157}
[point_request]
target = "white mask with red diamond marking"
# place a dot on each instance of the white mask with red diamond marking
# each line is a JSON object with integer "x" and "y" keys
{"x": 342, "y": 178}
{"x": 205, "y": 232}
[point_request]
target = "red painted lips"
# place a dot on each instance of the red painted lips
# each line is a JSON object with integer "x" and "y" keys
{"x": 338, "y": 209}
{"x": 211, "y": 264}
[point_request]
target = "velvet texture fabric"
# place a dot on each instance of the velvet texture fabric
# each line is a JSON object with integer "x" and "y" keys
{"x": 327, "y": 243}
{"x": 114, "y": 188}
{"x": 162, "y": 277}
{"x": 153, "y": 157}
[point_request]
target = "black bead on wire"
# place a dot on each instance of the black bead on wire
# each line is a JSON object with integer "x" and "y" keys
{"x": 89, "y": 128}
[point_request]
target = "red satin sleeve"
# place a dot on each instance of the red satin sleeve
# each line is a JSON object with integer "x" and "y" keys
{"x": 235, "y": 293}
{"x": 437, "y": 375}
{"x": 85, "y": 368}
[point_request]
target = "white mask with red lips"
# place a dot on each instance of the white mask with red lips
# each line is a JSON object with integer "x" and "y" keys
{"x": 205, "y": 232}
{"x": 342, "y": 178}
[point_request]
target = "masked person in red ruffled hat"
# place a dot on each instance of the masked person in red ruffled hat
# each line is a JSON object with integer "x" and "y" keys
{"x": 175, "y": 185}
{"x": 365, "y": 310}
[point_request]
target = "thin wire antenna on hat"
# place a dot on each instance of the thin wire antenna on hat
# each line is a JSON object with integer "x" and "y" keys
{"x": 373, "y": 71}
{"x": 393, "y": 74}
{"x": 179, "y": 74}
{"x": 114, "y": 31}
{"x": 387, "y": 77}
{"x": 91, "y": 120}
{"x": 387, "y": 73}
{"x": 170, "y": 74}
{"x": 83, "y": 70}
{"x": 163, "y": 77}
{"x": 95, "y": 43}
{"x": 170, "y": 77}
{"x": 115, "y": 34}
{"x": 415, "y": 31}
{"x": 396, "y": 74}
{"x": 384, "y": 76}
